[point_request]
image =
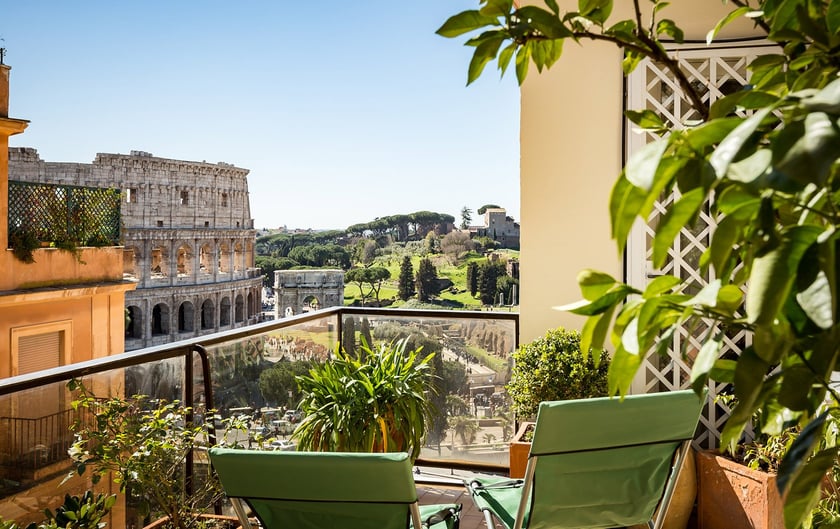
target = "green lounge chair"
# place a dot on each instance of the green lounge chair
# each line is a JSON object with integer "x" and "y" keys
{"x": 326, "y": 490}
{"x": 596, "y": 463}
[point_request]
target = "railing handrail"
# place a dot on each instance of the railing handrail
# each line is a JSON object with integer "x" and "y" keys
{"x": 184, "y": 347}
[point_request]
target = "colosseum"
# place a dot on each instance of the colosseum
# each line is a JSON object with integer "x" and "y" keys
{"x": 188, "y": 236}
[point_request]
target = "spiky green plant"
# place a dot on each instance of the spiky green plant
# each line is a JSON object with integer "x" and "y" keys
{"x": 377, "y": 403}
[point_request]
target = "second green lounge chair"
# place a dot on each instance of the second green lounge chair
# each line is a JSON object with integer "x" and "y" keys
{"x": 325, "y": 490}
{"x": 596, "y": 463}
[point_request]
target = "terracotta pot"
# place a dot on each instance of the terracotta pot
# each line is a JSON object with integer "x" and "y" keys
{"x": 519, "y": 450}
{"x": 733, "y": 496}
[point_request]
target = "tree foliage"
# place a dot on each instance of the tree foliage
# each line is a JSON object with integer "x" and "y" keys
{"x": 466, "y": 217}
{"x": 472, "y": 277}
{"x": 456, "y": 244}
{"x": 483, "y": 209}
{"x": 278, "y": 385}
{"x": 426, "y": 275}
{"x": 406, "y": 279}
{"x": 372, "y": 277}
{"x": 766, "y": 157}
{"x": 488, "y": 276}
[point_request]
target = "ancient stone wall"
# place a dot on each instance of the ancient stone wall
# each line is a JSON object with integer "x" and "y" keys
{"x": 188, "y": 236}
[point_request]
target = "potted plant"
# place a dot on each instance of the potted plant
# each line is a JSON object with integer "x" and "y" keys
{"x": 763, "y": 162}
{"x": 374, "y": 403}
{"x": 550, "y": 368}
{"x": 85, "y": 512}
{"x": 143, "y": 444}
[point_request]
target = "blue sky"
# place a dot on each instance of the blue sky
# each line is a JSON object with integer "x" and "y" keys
{"x": 342, "y": 111}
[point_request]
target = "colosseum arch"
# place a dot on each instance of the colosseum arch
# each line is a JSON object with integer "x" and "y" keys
{"x": 160, "y": 319}
{"x": 184, "y": 261}
{"x": 132, "y": 260}
{"x": 159, "y": 262}
{"x": 224, "y": 312}
{"x": 252, "y": 307}
{"x": 208, "y": 315}
{"x": 133, "y": 322}
{"x": 224, "y": 258}
{"x": 186, "y": 317}
{"x": 239, "y": 309}
{"x": 205, "y": 259}
{"x": 238, "y": 257}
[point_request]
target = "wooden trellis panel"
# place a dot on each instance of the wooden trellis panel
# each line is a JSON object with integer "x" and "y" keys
{"x": 720, "y": 71}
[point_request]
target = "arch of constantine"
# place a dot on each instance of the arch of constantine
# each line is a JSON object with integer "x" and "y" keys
{"x": 298, "y": 291}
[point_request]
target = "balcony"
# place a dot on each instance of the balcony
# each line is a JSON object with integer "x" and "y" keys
{"x": 222, "y": 372}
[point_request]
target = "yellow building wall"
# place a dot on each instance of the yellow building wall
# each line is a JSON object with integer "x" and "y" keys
{"x": 571, "y": 142}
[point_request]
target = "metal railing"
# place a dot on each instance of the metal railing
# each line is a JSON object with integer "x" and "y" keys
{"x": 68, "y": 216}
{"x": 215, "y": 371}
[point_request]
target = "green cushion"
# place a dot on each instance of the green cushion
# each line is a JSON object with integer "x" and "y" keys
{"x": 601, "y": 462}
{"x": 319, "y": 490}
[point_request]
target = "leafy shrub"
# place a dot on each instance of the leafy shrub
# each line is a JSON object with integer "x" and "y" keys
{"x": 553, "y": 368}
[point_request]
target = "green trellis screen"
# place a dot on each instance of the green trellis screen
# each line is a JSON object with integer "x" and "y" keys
{"x": 65, "y": 215}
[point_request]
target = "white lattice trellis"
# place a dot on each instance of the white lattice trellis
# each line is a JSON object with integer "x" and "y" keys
{"x": 720, "y": 71}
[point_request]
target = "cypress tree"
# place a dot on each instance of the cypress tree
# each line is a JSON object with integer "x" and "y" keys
{"x": 406, "y": 282}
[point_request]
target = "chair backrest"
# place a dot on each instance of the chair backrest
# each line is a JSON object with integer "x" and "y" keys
{"x": 604, "y": 462}
{"x": 319, "y": 489}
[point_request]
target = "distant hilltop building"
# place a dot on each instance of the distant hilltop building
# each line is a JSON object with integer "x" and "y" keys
{"x": 499, "y": 227}
{"x": 189, "y": 240}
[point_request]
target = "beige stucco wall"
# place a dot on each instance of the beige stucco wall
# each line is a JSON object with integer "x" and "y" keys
{"x": 571, "y": 153}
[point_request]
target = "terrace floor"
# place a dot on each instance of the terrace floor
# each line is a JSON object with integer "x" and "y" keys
{"x": 471, "y": 518}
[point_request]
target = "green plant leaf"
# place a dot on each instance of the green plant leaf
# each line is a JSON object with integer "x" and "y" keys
{"x": 723, "y": 371}
{"x": 711, "y": 132}
{"x": 544, "y": 21}
{"x": 642, "y": 166}
{"x": 523, "y": 56}
{"x": 623, "y": 368}
{"x": 594, "y": 333}
{"x": 752, "y": 167}
{"x": 681, "y": 214}
{"x": 773, "y": 274}
{"x": 594, "y": 284}
{"x": 484, "y": 53}
{"x": 748, "y": 379}
{"x": 465, "y": 22}
{"x": 661, "y": 284}
{"x": 705, "y": 361}
{"x": 817, "y": 301}
{"x": 646, "y": 119}
{"x": 799, "y": 452}
{"x": 772, "y": 341}
{"x": 596, "y": 10}
{"x": 496, "y": 8}
{"x": 811, "y": 157}
{"x": 805, "y": 490}
{"x": 725, "y": 21}
{"x": 734, "y": 142}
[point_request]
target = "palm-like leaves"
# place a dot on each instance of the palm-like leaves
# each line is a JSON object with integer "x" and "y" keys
{"x": 378, "y": 404}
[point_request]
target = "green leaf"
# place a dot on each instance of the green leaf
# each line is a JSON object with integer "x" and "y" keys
{"x": 484, "y": 53}
{"x": 626, "y": 201}
{"x": 816, "y": 301}
{"x": 552, "y": 4}
{"x": 505, "y": 56}
{"x": 594, "y": 333}
{"x": 772, "y": 341}
{"x": 726, "y": 235}
{"x": 704, "y": 362}
{"x": 832, "y": 18}
{"x": 603, "y": 303}
{"x": 805, "y": 490}
{"x": 741, "y": 11}
{"x": 544, "y": 21}
{"x": 723, "y": 371}
{"x": 729, "y": 298}
{"x": 711, "y": 133}
{"x": 752, "y": 167}
{"x": 642, "y": 166}
{"x": 465, "y": 22}
{"x": 594, "y": 284}
{"x": 749, "y": 376}
{"x": 661, "y": 284}
{"x": 681, "y": 214}
{"x": 799, "y": 452}
{"x": 596, "y": 10}
{"x": 707, "y": 296}
{"x": 646, "y": 119}
{"x": 734, "y": 142}
{"x": 523, "y": 56}
{"x": 773, "y": 274}
{"x": 496, "y": 8}
{"x": 622, "y": 370}
{"x": 810, "y": 158}
{"x": 669, "y": 27}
